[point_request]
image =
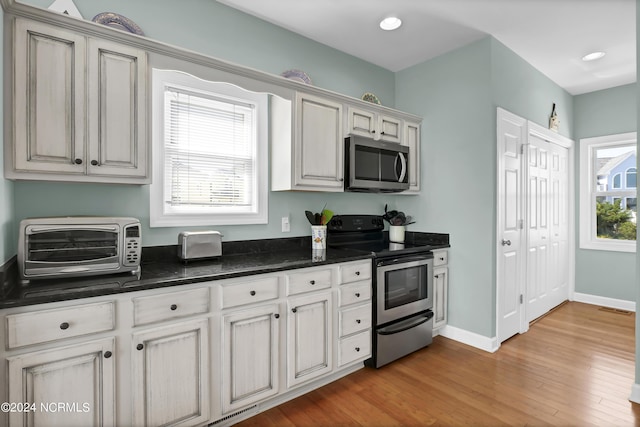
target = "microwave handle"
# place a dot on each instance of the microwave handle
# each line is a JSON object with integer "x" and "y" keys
{"x": 403, "y": 165}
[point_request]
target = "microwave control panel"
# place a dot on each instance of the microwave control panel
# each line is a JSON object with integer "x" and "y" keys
{"x": 132, "y": 244}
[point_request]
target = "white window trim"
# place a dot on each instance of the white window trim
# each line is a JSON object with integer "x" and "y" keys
{"x": 588, "y": 239}
{"x": 163, "y": 78}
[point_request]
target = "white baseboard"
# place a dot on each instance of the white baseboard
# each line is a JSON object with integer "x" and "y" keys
{"x": 635, "y": 393}
{"x": 469, "y": 338}
{"x": 620, "y": 304}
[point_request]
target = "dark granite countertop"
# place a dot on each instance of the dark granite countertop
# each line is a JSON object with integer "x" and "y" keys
{"x": 162, "y": 268}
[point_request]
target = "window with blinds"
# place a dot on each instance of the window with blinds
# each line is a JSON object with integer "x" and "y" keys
{"x": 209, "y": 152}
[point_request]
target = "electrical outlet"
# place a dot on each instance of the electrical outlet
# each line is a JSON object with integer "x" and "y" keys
{"x": 286, "y": 227}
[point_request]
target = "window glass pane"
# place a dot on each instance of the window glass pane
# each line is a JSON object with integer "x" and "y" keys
{"x": 617, "y": 180}
{"x": 209, "y": 147}
{"x": 615, "y": 209}
{"x": 631, "y": 178}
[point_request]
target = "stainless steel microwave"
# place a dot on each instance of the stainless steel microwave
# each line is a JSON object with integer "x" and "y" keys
{"x": 375, "y": 166}
{"x": 78, "y": 246}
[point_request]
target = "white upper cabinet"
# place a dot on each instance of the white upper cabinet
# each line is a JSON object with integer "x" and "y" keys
{"x": 313, "y": 160}
{"x": 117, "y": 110}
{"x": 412, "y": 140}
{"x": 371, "y": 124}
{"x": 79, "y": 108}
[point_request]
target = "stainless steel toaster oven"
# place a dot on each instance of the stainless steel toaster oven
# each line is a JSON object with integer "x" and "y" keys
{"x": 78, "y": 246}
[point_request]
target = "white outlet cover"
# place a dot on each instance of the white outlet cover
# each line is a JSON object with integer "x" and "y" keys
{"x": 66, "y": 7}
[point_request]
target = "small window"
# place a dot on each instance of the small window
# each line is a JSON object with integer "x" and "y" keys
{"x": 608, "y": 214}
{"x": 209, "y": 148}
{"x": 631, "y": 178}
{"x": 617, "y": 181}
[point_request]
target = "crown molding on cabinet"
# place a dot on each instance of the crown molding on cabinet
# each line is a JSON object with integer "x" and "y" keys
{"x": 89, "y": 28}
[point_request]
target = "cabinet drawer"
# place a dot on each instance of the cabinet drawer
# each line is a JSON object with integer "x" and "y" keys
{"x": 440, "y": 258}
{"x": 356, "y": 272}
{"x": 354, "y": 348}
{"x": 258, "y": 290}
{"x": 355, "y": 292}
{"x": 51, "y": 325}
{"x": 355, "y": 319}
{"x": 307, "y": 281}
{"x": 169, "y": 306}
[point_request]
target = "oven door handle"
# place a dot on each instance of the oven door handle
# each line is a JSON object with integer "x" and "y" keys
{"x": 417, "y": 259}
{"x": 403, "y": 326}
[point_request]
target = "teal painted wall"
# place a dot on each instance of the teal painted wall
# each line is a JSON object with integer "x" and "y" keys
{"x": 523, "y": 90}
{"x": 604, "y": 112}
{"x": 211, "y": 28}
{"x": 214, "y": 29}
{"x": 458, "y": 93}
{"x": 453, "y": 93}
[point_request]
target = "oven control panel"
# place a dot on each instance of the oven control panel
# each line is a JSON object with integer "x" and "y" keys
{"x": 356, "y": 223}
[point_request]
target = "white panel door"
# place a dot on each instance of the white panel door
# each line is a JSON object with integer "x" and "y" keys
{"x": 511, "y": 137}
{"x": 559, "y": 225}
{"x": 537, "y": 291}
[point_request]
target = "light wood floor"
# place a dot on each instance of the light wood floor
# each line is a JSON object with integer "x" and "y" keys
{"x": 574, "y": 367}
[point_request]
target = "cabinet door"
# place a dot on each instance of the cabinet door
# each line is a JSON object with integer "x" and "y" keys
{"x": 250, "y": 356}
{"x": 117, "y": 110}
{"x": 309, "y": 340}
{"x": 81, "y": 377}
{"x": 412, "y": 139}
{"x": 170, "y": 367}
{"x": 390, "y": 129}
{"x": 318, "y": 143}
{"x": 440, "y": 288}
{"x": 361, "y": 122}
{"x": 49, "y": 93}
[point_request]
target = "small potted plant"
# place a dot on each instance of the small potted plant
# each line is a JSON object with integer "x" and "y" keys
{"x": 397, "y": 224}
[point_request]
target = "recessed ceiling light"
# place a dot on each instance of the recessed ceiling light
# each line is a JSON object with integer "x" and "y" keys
{"x": 390, "y": 23}
{"x": 593, "y": 56}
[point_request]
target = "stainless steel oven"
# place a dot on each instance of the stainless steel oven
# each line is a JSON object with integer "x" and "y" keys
{"x": 404, "y": 302}
{"x": 403, "y": 286}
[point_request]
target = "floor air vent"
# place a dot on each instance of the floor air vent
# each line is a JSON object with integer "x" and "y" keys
{"x": 235, "y": 414}
{"x": 615, "y": 310}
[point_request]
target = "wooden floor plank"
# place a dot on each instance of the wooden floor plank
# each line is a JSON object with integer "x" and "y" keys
{"x": 575, "y": 366}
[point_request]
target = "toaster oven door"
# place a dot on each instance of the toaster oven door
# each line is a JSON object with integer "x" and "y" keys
{"x": 59, "y": 250}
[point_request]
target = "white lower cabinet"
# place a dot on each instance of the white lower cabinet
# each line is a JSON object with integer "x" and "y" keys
{"x": 440, "y": 288}
{"x": 170, "y": 375}
{"x": 63, "y": 386}
{"x": 250, "y": 359}
{"x": 309, "y": 337}
{"x": 188, "y": 355}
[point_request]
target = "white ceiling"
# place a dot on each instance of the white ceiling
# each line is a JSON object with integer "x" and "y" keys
{"x": 552, "y": 35}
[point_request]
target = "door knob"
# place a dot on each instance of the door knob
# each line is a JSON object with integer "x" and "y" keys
{"x": 506, "y": 242}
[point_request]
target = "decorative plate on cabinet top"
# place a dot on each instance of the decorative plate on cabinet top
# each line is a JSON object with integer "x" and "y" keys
{"x": 297, "y": 75}
{"x": 120, "y": 22}
{"x": 369, "y": 97}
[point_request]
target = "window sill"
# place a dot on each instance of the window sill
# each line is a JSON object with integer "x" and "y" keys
{"x": 623, "y": 246}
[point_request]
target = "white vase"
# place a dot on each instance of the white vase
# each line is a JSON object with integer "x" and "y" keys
{"x": 318, "y": 237}
{"x": 396, "y": 233}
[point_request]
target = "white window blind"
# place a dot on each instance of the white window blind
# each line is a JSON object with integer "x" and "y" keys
{"x": 210, "y": 145}
{"x": 209, "y": 151}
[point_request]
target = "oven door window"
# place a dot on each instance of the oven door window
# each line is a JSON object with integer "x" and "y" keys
{"x": 405, "y": 286}
{"x": 72, "y": 246}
